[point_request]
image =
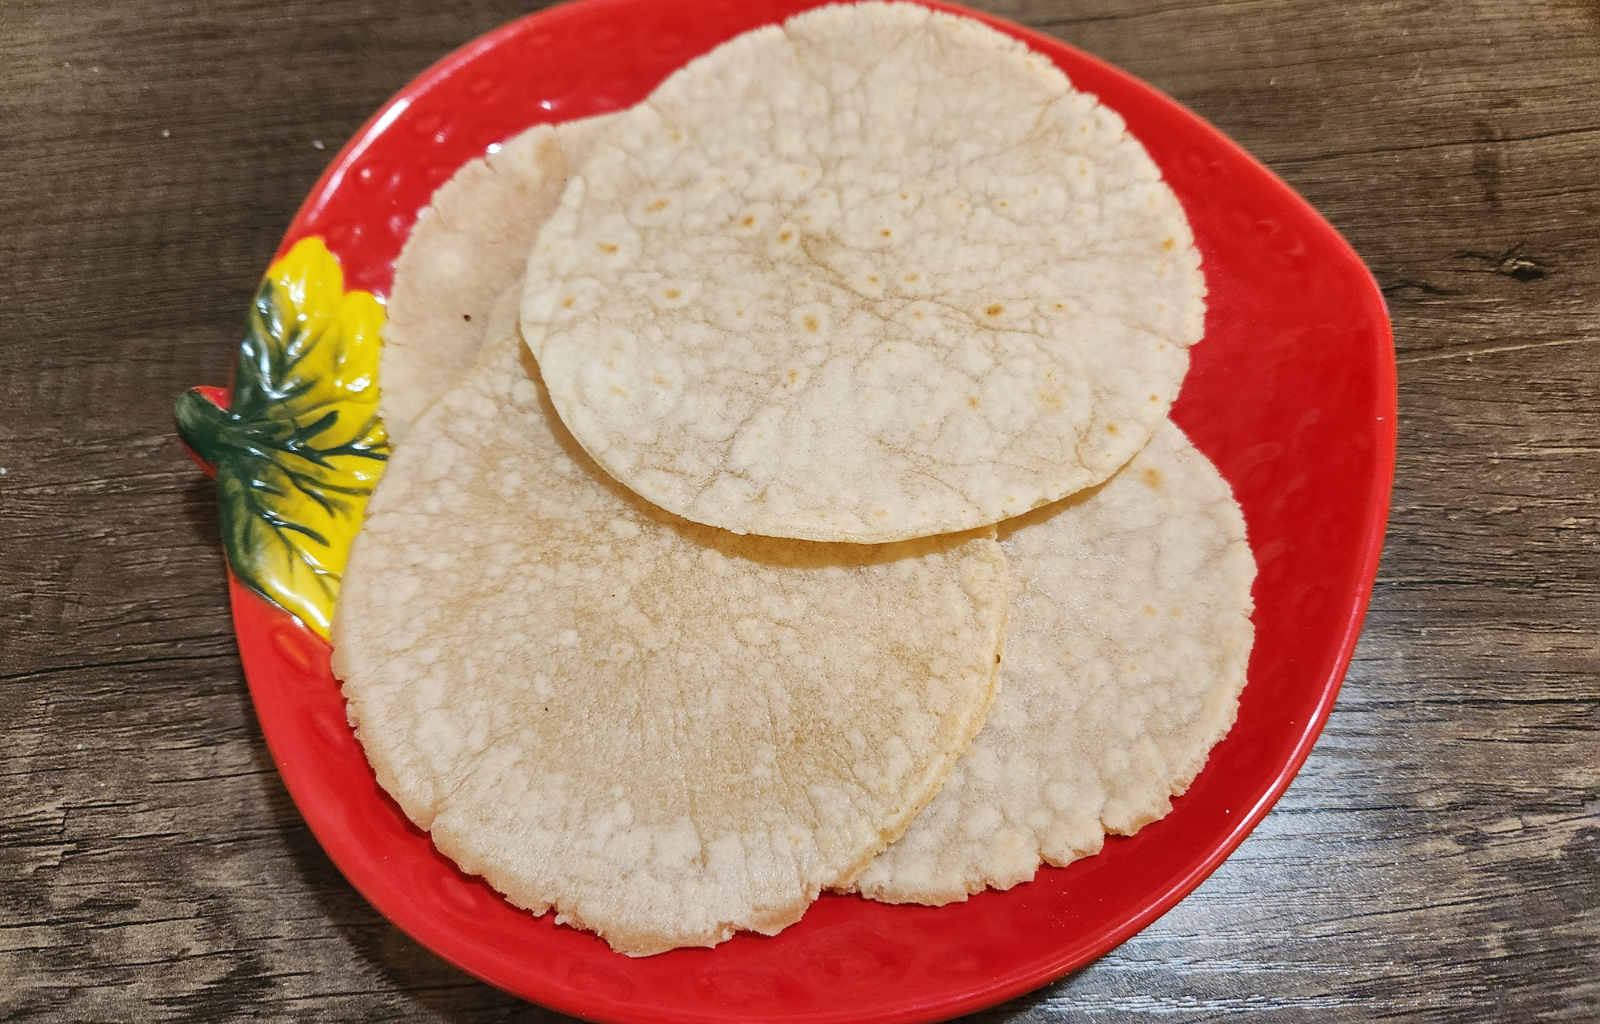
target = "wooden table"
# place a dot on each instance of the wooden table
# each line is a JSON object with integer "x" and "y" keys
{"x": 1438, "y": 859}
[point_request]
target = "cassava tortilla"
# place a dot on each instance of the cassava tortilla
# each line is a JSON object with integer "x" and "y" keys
{"x": 469, "y": 244}
{"x": 876, "y": 273}
{"x": 1125, "y": 655}
{"x": 663, "y": 731}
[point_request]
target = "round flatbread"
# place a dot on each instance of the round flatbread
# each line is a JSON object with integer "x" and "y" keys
{"x": 1125, "y": 655}
{"x": 877, "y": 273}
{"x": 469, "y": 244}
{"x": 661, "y": 730}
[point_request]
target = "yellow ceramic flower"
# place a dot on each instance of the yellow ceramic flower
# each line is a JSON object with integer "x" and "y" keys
{"x": 300, "y": 446}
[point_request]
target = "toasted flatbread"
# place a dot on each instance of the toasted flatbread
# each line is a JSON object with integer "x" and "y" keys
{"x": 469, "y": 243}
{"x": 873, "y": 274}
{"x": 1126, "y": 652}
{"x": 662, "y": 731}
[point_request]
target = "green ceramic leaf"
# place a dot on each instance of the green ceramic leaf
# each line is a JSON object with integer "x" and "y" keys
{"x": 300, "y": 446}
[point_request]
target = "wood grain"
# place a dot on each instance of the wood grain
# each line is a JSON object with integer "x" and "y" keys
{"x": 1438, "y": 859}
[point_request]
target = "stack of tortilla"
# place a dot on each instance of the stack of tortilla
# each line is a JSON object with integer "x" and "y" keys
{"x": 783, "y": 497}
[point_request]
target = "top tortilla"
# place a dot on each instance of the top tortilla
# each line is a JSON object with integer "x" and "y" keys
{"x": 469, "y": 244}
{"x": 877, "y": 273}
{"x": 1126, "y": 651}
{"x": 661, "y": 730}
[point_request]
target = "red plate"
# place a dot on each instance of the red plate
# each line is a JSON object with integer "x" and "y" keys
{"x": 1292, "y": 395}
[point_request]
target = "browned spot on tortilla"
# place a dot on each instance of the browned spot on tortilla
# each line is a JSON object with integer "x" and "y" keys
{"x": 1151, "y": 478}
{"x": 784, "y": 236}
{"x": 886, "y": 232}
{"x": 972, "y": 400}
{"x": 811, "y": 323}
{"x": 671, "y": 293}
{"x": 749, "y": 220}
{"x": 606, "y": 247}
{"x": 1113, "y": 429}
{"x": 1051, "y": 399}
{"x": 995, "y": 310}
{"x": 1169, "y": 243}
{"x": 569, "y": 302}
{"x": 794, "y": 375}
{"x": 1150, "y": 609}
{"x": 658, "y": 205}
{"x": 912, "y": 277}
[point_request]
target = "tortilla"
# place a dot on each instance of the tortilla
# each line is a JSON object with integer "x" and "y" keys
{"x": 469, "y": 244}
{"x": 1126, "y": 651}
{"x": 663, "y": 731}
{"x": 877, "y": 273}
